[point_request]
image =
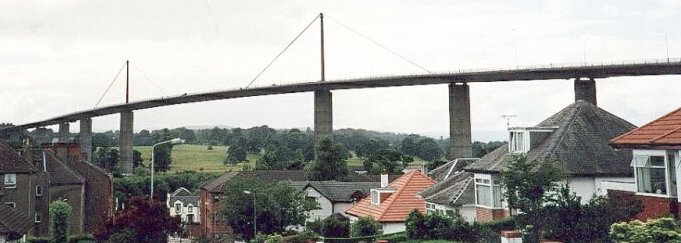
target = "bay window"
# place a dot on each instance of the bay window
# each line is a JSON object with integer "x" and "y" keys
{"x": 654, "y": 172}
{"x": 488, "y": 191}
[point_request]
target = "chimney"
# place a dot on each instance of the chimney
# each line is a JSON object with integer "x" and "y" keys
{"x": 384, "y": 180}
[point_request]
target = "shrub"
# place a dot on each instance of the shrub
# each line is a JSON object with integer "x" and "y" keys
{"x": 302, "y": 237}
{"x": 60, "y": 214}
{"x": 336, "y": 226}
{"x": 82, "y": 239}
{"x": 315, "y": 226}
{"x": 416, "y": 225}
{"x": 658, "y": 230}
{"x": 364, "y": 226}
{"x": 38, "y": 240}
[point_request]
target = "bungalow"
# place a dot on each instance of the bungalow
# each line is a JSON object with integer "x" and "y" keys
{"x": 656, "y": 150}
{"x": 392, "y": 202}
{"x": 184, "y": 205}
{"x": 454, "y": 191}
{"x": 575, "y": 140}
{"x": 334, "y": 197}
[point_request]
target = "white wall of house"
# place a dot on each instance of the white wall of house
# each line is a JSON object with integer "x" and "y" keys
{"x": 341, "y": 207}
{"x": 186, "y": 212}
{"x": 393, "y": 227}
{"x": 326, "y": 207}
{"x": 467, "y": 212}
{"x": 586, "y": 187}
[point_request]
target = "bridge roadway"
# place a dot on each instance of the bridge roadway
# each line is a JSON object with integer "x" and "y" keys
{"x": 526, "y": 74}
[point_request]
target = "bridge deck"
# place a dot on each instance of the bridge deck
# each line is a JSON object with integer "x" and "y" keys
{"x": 524, "y": 74}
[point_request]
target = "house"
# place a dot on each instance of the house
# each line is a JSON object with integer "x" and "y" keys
{"x": 35, "y": 177}
{"x": 656, "y": 152}
{"x": 334, "y": 197}
{"x": 184, "y": 205}
{"x": 14, "y": 225}
{"x": 391, "y": 203}
{"x": 212, "y": 222}
{"x": 454, "y": 191}
{"x": 24, "y": 188}
{"x": 574, "y": 140}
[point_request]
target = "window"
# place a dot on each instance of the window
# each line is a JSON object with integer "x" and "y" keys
{"x": 11, "y": 204}
{"x": 654, "y": 174}
{"x": 10, "y": 180}
{"x": 38, "y": 191}
{"x": 178, "y": 208}
{"x": 488, "y": 192}
{"x": 38, "y": 218}
{"x": 430, "y": 207}
{"x": 190, "y": 209}
{"x": 517, "y": 142}
{"x": 375, "y": 197}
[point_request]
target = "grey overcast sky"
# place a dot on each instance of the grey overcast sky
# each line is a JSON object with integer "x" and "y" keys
{"x": 58, "y": 57}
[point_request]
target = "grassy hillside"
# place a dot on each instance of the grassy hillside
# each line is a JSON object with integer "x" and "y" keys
{"x": 190, "y": 157}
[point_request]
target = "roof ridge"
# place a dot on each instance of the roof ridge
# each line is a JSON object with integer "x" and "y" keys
{"x": 77, "y": 175}
{"x": 564, "y": 129}
{"x": 665, "y": 134}
{"x": 653, "y": 121}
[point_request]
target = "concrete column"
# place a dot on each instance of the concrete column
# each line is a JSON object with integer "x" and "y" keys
{"x": 126, "y": 132}
{"x": 585, "y": 90}
{"x": 323, "y": 114}
{"x": 63, "y": 134}
{"x": 85, "y": 138}
{"x": 459, "y": 121}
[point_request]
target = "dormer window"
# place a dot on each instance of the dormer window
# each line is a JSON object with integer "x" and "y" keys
{"x": 380, "y": 194}
{"x": 517, "y": 142}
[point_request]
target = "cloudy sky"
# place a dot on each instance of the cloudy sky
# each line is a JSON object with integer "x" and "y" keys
{"x": 58, "y": 57}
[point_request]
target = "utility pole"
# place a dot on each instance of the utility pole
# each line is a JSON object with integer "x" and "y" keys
{"x": 127, "y": 81}
{"x": 321, "y": 21}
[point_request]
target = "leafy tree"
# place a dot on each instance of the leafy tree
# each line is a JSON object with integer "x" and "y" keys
{"x": 106, "y": 158}
{"x": 481, "y": 148}
{"x": 235, "y": 154}
{"x": 146, "y": 221}
{"x": 364, "y": 226}
{"x": 277, "y": 157}
{"x": 656, "y": 230}
{"x": 162, "y": 158}
{"x": 60, "y": 214}
{"x": 335, "y": 226}
{"x": 528, "y": 186}
{"x": 330, "y": 164}
{"x": 103, "y": 140}
{"x": 143, "y": 138}
{"x": 137, "y": 159}
{"x": 388, "y": 161}
{"x": 187, "y": 134}
{"x": 369, "y": 147}
{"x": 428, "y": 149}
{"x": 409, "y": 145}
{"x": 276, "y": 205}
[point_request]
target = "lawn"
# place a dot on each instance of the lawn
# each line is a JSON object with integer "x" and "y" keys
{"x": 197, "y": 158}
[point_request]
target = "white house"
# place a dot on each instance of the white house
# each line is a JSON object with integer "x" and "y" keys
{"x": 575, "y": 140}
{"x": 185, "y": 205}
{"x": 454, "y": 191}
{"x": 334, "y": 196}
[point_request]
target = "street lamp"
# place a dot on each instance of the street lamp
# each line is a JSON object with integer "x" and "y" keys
{"x": 172, "y": 141}
{"x": 255, "y": 229}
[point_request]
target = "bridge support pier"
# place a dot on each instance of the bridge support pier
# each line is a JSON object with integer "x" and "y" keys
{"x": 459, "y": 121}
{"x": 323, "y": 115}
{"x": 125, "y": 140}
{"x": 585, "y": 89}
{"x": 63, "y": 134}
{"x": 85, "y": 138}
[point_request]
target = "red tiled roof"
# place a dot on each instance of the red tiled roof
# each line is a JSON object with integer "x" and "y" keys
{"x": 664, "y": 131}
{"x": 399, "y": 204}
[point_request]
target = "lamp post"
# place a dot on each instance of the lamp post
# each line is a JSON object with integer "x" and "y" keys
{"x": 255, "y": 229}
{"x": 172, "y": 141}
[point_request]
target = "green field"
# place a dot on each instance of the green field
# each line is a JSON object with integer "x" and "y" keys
{"x": 190, "y": 157}
{"x": 197, "y": 158}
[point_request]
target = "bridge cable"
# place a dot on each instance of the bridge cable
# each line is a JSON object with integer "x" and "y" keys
{"x": 379, "y": 45}
{"x": 112, "y": 82}
{"x": 282, "y": 52}
{"x": 148, "y": 79}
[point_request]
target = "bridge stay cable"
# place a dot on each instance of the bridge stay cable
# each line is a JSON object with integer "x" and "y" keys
{"x": 111, "y": 84}
{"x": 284, "y": 50}
{"x": 379, "y": 45}
{"x": 148, "y": 79}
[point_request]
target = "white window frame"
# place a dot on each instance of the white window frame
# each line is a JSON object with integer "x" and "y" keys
{"x": 178, "y": 207}
{"x": 638, "y": 154}
{"x": 10, "y": 180}
{"x": 37, "y": 218}
{"x": 190, "y": 208}
{"x": 39, "y": 191}
{"x": 11, "y": 204}
{"x": 518, "y": 144}
{"x": 494, "y": 184}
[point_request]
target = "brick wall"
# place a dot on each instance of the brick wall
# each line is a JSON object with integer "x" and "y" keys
{"x": 653, "y": 207}
{"x": 488, "y": 214}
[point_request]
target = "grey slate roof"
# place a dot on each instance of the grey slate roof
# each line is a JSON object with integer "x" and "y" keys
{"x": 440, "y": 173}
{"x": 184, "y": 196}
{"x": 579, "y": 146}
{"x": 456, "y": 190}
{"x": 13, "y": 221}
{"x": 12, "y": 162}
{"x": 340, "y": 191}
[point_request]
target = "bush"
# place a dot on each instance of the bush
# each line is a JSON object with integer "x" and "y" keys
{"x": 82, "y": 239}
{"x": 38, "y": 240}
{"x": 658, "y": 230}
{"x": 60, "y": 214}
{"x": 435, "y": 226}
{"x": 314, "y": 226}
{"x": 364, "y": 226}
{"x": 303, "y": 237}
{"x": 336, "y": 226}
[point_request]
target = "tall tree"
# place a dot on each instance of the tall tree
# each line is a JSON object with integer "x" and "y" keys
{"x": 388, "y": 161}
{"x": 409, "y": 145}
{"x": 162, "y": 158}
{"x": 428, "y": 149}
{"x": 146, "y": 221}
{"x": 330, "y": 164}
{"x": 235, "y": 154}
